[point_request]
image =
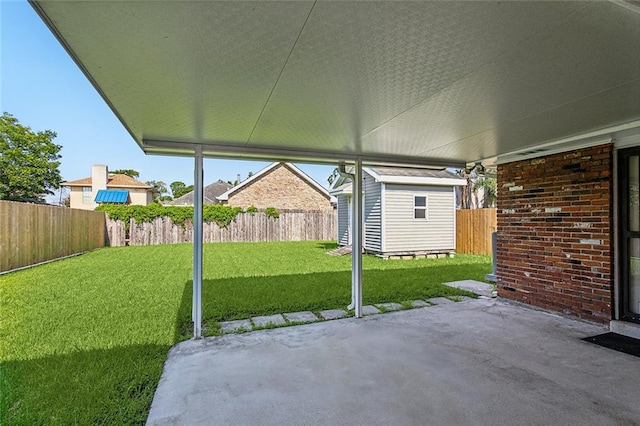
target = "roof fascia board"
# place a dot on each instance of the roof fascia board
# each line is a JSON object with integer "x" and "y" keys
{"x": 586, "y": 140}
{"x": 415, "y": 180}
{"x": 223, "y": 150}
{"x": 344, "y": 191}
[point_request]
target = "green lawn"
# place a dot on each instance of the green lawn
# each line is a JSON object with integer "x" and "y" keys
{"x": 83, "y": 340}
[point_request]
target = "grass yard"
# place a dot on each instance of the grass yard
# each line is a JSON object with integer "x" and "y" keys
{"x": 84, "y": 339}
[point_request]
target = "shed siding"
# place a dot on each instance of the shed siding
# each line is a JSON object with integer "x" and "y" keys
{"x": 372, "y": 214}
{"x": 404, "y": 233}
{"x": 343, "y": 220}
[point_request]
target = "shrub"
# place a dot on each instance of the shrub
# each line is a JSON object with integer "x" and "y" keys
{"x": 221, "y": 215}
{"x": 272, "y": 212}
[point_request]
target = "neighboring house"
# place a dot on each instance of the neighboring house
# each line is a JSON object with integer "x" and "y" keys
{"x": 279, "y": 185}
{"x": 105, "y": 187}
{"x": 405, "y": 211}
{"x": 210, "y": 192}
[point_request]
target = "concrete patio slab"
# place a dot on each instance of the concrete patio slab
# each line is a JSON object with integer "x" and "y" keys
{"x": 390, "y": 306}
{"x": 420, "y": 304}
{"x": 331, "y": 314}
{"x": 370, "y": 310}
{"x": 233, "y": 326}
{"x": 264, "y": 321}
{"x": 305, "y": 316}
{"x": 477, "y": 287}
{"x": 440, "y": 301}
{"x": 483, "y": 362}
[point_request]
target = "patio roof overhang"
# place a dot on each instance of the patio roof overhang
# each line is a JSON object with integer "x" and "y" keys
{"x": 383, "y": 82}
{"x": 440, "y": 83}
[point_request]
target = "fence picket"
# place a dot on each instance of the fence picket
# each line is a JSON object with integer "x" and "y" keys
{"x": 473, "y": 230}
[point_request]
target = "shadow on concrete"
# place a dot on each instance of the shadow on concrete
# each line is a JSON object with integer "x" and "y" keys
{"x": 243, "y": 297}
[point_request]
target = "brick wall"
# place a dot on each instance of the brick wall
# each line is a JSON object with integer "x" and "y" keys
{"x": 280, "y": 188}
{"x": 554, "y": 232}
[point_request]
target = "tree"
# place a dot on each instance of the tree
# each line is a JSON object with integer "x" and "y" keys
{"x": 489, "y": 188}
{"x": 129, "y": 172}
{"x": 29, "y": 166}
{"x": 466, "y": 201}
{"x": 178, "y": 189}
{"x": 160, "y": 190}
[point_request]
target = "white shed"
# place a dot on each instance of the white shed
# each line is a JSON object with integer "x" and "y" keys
{"x": 406, "y": 211}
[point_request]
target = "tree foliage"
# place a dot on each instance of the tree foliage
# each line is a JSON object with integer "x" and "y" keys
{"x": 222, "y": 215}
{"x": 479, "y": 192}
{"x": 178, "y": 188}
{"x": 29, "y": 166}
{"x": 129, "y": 172}
{"x": 160, "y": 190}
{"x": 490, "y": 191}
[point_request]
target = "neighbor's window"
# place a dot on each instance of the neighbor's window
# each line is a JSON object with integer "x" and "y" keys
{"x": 420, "y": 207}
{"x": 86, "y": 195}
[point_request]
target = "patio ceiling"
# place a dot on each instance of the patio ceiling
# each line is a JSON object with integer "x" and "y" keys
{"x": 433, "y": 83}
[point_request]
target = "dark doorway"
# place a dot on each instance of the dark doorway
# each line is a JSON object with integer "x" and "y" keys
{"x": 629, "y": 220}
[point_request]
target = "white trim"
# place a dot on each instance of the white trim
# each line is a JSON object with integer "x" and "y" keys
{"x": 426, "y": 208}
{"x": 626, "y": 142}
{"x": 344, "y": 191}
{"x": 621, "y": 132}
{"x": 300, "y": 173}
{"x": 455, "y": 225}
{"x": 415, "y": 180}
{"x": 383, "y": 206}
{"x": 410, "y": 180}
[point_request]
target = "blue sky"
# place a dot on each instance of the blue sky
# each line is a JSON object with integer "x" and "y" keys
{"x": 42, "y": 87}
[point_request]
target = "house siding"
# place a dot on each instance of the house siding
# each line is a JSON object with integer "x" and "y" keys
{"x": 372, "y": 214}
{"x": 280, "y": 188}
{"x": 554, "y": 232}
{"x": 403, "y": 233}
{"x": 343, "y": 220}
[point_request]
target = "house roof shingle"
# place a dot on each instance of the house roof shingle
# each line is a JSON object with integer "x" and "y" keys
{"x": 211, "y": 192}
{"x": 114, "y": 181}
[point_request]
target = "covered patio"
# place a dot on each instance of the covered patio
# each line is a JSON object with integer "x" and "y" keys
{"x": 546, "y": 91}
{"x": 477, "y": 362}
{"x": 420, "y": 83}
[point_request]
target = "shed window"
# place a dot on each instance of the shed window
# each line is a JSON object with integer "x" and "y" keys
{"x": 420, "y": 207}
{"x": 86, "y": 195}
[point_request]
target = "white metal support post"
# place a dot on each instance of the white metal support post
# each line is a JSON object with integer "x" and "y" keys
{"x": 356, "y": 240}
{"x": 196, "y": 312}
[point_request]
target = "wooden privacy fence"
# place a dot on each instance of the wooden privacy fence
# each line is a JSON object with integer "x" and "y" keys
{"x": 34, "y": 233}
{"x": 473, "y": 230}
{"x": 292, "y": 225}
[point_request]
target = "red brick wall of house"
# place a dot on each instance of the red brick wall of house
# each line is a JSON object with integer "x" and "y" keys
{"x": 554, "y": 232}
